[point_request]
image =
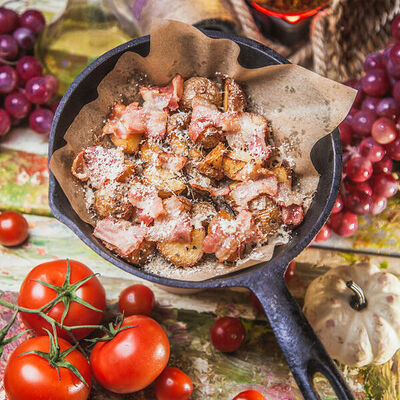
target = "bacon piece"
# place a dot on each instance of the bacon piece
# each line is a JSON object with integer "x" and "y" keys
{"x": 204, "y": 116}
{"x": 171, "y": 161}
{"x": 228, "y": 235}
{"x": 292, "y": 215}
{"x": 126, "y": 120}
{"x": 212, "y": 190}
{"x": 101, "y": 165}
{"x": 242, "y": 193}
{"x": 175, "y": 225}
{"x": 163, "y": 98}
{"x": 145, "y": 198}
{"x": 286, "y": 197}
{"x": 122, "y": 236}
{"x": 244, "y": 131}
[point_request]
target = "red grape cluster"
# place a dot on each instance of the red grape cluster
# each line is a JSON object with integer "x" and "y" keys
{"x": 370, "y": 137}
{"x": 24, "y": 91}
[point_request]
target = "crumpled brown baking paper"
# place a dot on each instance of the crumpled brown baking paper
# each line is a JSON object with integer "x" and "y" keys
{"x": 301, "y": 106}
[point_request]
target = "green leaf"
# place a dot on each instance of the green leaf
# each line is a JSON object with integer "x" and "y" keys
{"x": 383, "y": 265}
{"x": 73, "y": 369}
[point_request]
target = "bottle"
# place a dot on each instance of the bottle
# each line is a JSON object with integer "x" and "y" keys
{"x": 84, "y": 31}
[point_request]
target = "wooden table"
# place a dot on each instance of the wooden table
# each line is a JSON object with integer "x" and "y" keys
{"x": 259, "y": 364}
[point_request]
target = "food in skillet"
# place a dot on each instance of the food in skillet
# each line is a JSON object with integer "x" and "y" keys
{"x": 188, "y": 172}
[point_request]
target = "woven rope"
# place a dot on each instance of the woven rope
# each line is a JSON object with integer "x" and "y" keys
{"x": 343, "y": 35}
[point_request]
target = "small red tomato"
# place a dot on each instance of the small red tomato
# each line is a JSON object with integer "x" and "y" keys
{"x": 13, "y": 228}
{"x": 136, "y": 299}
{"x": 290, "y": 271}
{"x": 227, "y": 334}
{"x": 32, "y": 377}
{"x": 250, "y": 395}
{"x": 173, "y": 384}
{"x": 134, "y": 358}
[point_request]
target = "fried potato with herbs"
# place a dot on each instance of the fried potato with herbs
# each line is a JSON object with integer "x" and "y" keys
{"x": 200, "y": 89}
{"x": 112, "y": 200}
{"x": 184, "y": 254}
{"x": 283, "y": 173}
{"x": 166, "y": 181}
{"x": 129, "y": 145}
{"x": 143, "y": 253}
{"x": 234, "y": 97}
{"x": 177, "y": 122}
{"x": 211, "y": 165}
{"x": 149, "y": 152}
{"x": 202, "y": 213}
{"x": 239, "y": 166}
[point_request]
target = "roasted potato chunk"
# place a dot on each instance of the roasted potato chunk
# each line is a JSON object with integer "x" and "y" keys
{"x": 267, "y": 216}
{"x": 234, "y": 97}
{"x": 211, "y": 165}
{"x": 130, "y": 145}
{"x": 202, "y": 213}
{"x": 178, "y": 121}
{"x": 210, "y": 138}
{"x": 178, "y": 145}
{"x": 184, "y": 254}
{"x": 112, "y": 200}
{"x": 240, "y": 167}
{"x": 200, "y": 89}
{"x": 143, "y": 253}
{"x": 149, "y": 152}
{"x": 166, "y": 181}
{"x": 283, "y": 173}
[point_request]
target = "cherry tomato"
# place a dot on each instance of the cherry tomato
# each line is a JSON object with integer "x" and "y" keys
{"x": 250, "y": 395}
{"x": 13, "y": 228}
{"x": 136, "y": 299}
{"x": 33, "y": 294}
{"x": 133, "y": 358}
{"x": 31, "y": 376}
{"x": 290, "y": 271}
{"x": 227, "y": 334}
{"x": 173, "y": 384}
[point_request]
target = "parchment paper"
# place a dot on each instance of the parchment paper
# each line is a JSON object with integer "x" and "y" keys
{"x": 301, "y": 106}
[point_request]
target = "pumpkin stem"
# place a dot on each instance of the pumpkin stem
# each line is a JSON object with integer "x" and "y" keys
{"x": 358, "y": 301}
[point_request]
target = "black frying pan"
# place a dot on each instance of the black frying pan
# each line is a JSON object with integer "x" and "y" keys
{"x": 302, "y": 349}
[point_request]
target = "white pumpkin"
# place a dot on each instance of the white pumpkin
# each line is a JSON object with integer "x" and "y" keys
{"x": 355, "y": 332}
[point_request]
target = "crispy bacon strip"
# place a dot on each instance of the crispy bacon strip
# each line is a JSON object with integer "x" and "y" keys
{"x": 213, "y": 191}
{"x": 163, "y": 98}
{"x": 242, "y": 193}
{"x": 99, "y": 165}
{"x": 292, "y": 215}
{"x": 175, "y": 225}
{"x": 125, "y": 121}
{"x": 123, "y": 236}
{"x": 228, "y": 235}
{"x": 145, "y": 198}
{"x": 244, "y": 131}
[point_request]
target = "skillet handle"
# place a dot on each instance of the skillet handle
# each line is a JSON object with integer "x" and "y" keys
{"x": 302, "y": 349}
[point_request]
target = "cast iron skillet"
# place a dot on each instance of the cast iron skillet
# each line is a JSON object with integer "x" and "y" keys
{"x": 303, "y": 351}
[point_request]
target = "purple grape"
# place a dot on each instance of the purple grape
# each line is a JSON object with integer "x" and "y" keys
{"x": 393, "y": 69}
{"x": 52, "y": 83}
{"x": 375, "y": 82}
{"x": 395, "y": 54}
{"x": 396, "y": 91}
{"x": 40, "y": 120}
{"x": 384, "y": 166}
{"x": 29, "y": 67}
{"x": 362, "y": 122}
{"x": 17, "y": 105}
{"x": 5, "y": 121}
{"x": 24, "y": 37}
{"x": 386, "y": 52}
{"x": 371, "y": 150}
{"x": 349, "y": 116}
{"x": 378, "y": 205}
{"x": 8, "y": 47}
{"x": 38, "y": 91}
{"x": 384, "y": 185}
{"x": 384, "y": 130}
{"x": 33, "y": 20}
{"x": 358, "y": 203}
{"x": 374, "y": 60}
{"x": 396, "y": 28}
{"x": 388, "y": 107}
{"x": 8, "y": 79}
{"x": 8, "y": 20}
{"x": 393, "y": 149}
{"x": 370, "y": 103}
